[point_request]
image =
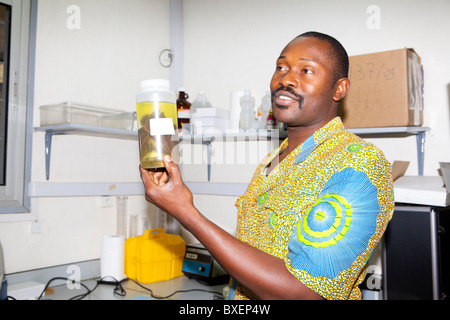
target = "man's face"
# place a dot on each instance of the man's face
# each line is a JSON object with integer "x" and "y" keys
{"x": 302, "y": 85}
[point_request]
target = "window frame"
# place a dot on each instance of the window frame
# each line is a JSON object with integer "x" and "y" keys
{"x": 14, "y": 198}
{"x": 4, "y": 90}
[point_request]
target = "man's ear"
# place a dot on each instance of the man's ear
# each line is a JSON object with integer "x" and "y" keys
{"x": 342, "y": 87}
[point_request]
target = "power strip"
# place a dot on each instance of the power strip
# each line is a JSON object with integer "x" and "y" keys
{"x": 29, "y": 290}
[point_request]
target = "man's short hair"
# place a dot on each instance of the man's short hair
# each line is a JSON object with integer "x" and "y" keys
{"x": 337, "y": 53}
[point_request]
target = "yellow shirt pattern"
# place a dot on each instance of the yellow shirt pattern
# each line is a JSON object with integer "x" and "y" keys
{"x": 322, "y": 210}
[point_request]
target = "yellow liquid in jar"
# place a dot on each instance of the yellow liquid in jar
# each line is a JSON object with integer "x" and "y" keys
{"x": 158, "y": 136}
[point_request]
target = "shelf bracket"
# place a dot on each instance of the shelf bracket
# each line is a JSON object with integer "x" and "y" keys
{"x": 80, "y": 129}
{"x": 48, "y": 152}
{"x": 420, "y": 139}
{"x": 208, "y": 145}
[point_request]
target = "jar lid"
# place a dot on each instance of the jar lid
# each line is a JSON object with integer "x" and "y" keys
{"x": 155, "y": 85}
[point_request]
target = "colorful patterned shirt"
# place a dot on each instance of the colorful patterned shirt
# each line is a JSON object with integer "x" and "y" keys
{"x": 322, "y": 210}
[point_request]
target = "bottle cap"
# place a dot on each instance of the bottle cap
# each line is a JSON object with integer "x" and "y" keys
{"x": 155, "y": 85}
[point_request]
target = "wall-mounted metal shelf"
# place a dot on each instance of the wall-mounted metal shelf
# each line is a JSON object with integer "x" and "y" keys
{"x": 208, "y": 138}
{"x": 205, "y": 139}
{"x": 79, "y": 129}
{"x": 250, "y": 135}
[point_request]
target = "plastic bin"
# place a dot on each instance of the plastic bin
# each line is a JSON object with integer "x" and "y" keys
{"x": 76, "y": 113}
{"x": 124, "y": 120}
{"x": 154, "y": 256}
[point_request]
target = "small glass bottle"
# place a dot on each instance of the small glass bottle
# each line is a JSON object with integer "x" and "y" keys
{"x": 183, "y": 108}
{"x": 271, "y": 121}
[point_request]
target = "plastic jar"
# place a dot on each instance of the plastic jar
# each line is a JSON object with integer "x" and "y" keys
{"x": 247, "y": 115}
{"x": 157, "y": 119}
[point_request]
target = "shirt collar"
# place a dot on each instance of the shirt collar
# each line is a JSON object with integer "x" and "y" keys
{"x": 327, "y": 131}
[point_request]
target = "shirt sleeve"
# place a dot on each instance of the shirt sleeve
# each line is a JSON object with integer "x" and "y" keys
{"x": 334, "y": 238}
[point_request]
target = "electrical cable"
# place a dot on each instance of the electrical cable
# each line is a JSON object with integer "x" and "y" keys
{"x": 77, "y": 297}
{"x": 119, "y": 290}
{"x": 173, "y": 293}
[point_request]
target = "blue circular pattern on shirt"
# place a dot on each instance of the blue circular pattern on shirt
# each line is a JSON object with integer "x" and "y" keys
{"x": 338, "y": 227}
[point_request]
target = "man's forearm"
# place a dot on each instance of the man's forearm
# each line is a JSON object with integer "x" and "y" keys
{"x": 264, "y": 275}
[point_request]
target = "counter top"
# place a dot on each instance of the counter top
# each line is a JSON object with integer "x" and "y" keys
{"x": 180, "y": 288}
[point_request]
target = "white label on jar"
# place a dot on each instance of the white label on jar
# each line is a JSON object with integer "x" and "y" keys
{"x": 161, "y": 126}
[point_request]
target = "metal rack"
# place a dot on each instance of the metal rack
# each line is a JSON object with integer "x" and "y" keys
{"x": 207, "y": 139}
{"x": 79, "y": 129}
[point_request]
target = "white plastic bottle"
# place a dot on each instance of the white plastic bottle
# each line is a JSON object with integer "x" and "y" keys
{"x": 266, "y": 105}
{"x": 247, "y": 115}
{"x": 157, "y": 123}
{"x": 200, "y": 102}
{"x": 235, "y": 110}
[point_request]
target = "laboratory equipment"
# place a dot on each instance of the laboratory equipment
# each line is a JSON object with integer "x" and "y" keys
{"x": 157, "y": 123}
{"x": 264, "y": 110}
{"x": 183, "y": 108}
{"x": 78, "y": 113}
{"x": 121, "y": 202}
{"x": 416, "y": 259}
{"x": 201, "y": 101}
{"x": 247, "y": 115}
{"x": 235, "y": 109}
{"x": 201, "y": 265}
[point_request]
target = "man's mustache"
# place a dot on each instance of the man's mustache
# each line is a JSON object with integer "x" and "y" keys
{"x": 291, "y": 91}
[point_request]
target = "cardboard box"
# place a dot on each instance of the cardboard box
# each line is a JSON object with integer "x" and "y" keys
{"x": 421, "y": 190}
{"x": 386, "y": 90}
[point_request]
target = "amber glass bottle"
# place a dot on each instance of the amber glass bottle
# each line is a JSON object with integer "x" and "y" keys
{"x": 183, "y": 108}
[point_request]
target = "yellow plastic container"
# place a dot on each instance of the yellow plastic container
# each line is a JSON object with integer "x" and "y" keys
{"x": 154, "y": 256}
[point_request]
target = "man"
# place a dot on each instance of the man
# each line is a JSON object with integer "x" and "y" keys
{"x": 315, "y": 208}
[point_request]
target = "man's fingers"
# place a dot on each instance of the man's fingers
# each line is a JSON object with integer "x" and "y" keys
{"x": 161, "y": 178}
{"x": 172, "y": 169}
{"x": 148, "y": 177}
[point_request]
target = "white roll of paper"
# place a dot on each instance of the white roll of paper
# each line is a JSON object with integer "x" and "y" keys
{"x": 112, "y": 261}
